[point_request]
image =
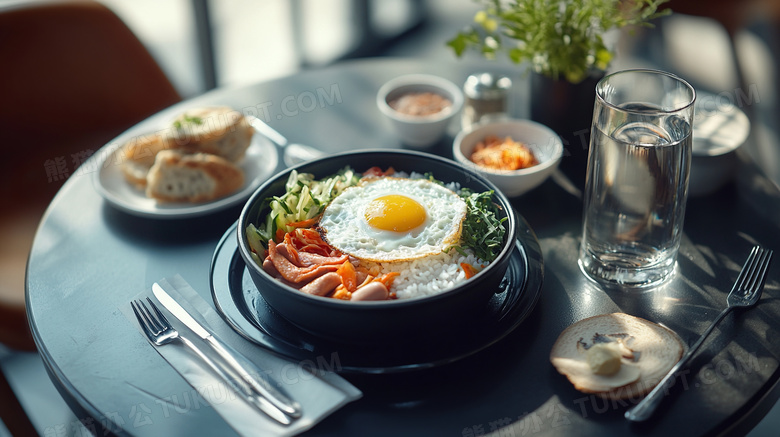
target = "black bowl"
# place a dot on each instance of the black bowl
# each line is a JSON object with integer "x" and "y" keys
{"x": 384, "y": 321}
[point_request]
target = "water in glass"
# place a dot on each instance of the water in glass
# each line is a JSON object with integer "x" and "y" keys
{"x": 635, "y": 198}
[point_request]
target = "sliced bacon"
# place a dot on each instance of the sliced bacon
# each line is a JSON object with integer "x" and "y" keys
{"x": 268, "y": 266}
{"x": 303, "y": 260}
{"x": 311, "y": 259}
{"x": 309, "y": 240}
{"x": 306, "y": 259}
{"x": 308, "y": 236}
{"x": 289, "y": 252}
{"x": 293, "y": 273}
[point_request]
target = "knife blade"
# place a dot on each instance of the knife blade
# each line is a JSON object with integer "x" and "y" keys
{"x": 237, "y": 362}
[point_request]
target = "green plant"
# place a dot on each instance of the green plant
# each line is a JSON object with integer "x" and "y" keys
{"x": 557, "y": 37}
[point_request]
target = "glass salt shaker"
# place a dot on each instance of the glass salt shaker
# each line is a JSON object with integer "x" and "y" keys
{"x": 486, "y": 97}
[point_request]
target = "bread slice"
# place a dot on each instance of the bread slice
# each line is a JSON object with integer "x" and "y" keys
{"x": 177, "y": 176}
{"x": 650, "y": 347}
{"x": 220, "y": 131}
{"x": 137, "y": 156}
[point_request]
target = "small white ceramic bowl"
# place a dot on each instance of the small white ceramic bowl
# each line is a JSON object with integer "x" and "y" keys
{"x": 543, "y": 141}
{"x": 419, "y": 131}
{"x": 719, "y": 129}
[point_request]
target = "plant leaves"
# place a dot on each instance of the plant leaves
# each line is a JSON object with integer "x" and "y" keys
{"x": 557, "y": 37}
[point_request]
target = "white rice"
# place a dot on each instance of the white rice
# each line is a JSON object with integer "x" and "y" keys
{"x": 430, "y": 275}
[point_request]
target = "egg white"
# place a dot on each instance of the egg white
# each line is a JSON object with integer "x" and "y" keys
{"x": 344, "y": 226}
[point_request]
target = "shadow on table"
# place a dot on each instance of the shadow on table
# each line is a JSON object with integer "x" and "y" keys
{"x": 173, "y": 232}
{"x": 502, "y": 371}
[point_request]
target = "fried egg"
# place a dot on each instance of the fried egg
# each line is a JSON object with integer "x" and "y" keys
{"x": 393, "y": 219}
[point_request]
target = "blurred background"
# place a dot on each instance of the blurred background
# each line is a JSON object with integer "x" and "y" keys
{"x": 721, "y": 46}
{"x": 202, "y": 44}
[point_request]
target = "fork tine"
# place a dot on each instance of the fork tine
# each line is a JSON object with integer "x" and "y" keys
{"x": 755, "y": 278}
{"x": 160, "y": 316}
{"x": 761, "y": 269}
{"x": 141, "y": 316}
{"x": 153, "y": 323}
{"x": 744, "y": 274}
{"x": 753, "y": 270}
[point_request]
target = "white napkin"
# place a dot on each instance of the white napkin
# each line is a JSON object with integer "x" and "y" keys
{"x": 319, "y": 393}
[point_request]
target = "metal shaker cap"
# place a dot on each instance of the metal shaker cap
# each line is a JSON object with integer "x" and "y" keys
{"x": 486, "y": 86}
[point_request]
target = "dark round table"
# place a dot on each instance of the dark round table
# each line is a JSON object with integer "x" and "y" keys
{"x": 89, "y": 258}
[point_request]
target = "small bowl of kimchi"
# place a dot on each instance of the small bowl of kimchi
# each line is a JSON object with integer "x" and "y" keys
{"x": 516, "y": 155}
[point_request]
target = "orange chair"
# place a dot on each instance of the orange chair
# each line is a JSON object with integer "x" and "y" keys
{"x": 74, "y": 76}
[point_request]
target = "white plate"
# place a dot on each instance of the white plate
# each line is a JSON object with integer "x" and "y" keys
{"x": 258, "y": 164}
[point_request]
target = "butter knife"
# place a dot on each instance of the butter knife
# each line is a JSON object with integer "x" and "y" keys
{"x": 237, "y": 362}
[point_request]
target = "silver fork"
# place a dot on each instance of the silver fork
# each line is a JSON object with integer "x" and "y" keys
{"x": 161, "y": 332}
{"x": 745, "y": 293}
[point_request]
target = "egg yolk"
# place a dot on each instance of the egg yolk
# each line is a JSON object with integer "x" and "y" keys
{"x": 395, "y": 212}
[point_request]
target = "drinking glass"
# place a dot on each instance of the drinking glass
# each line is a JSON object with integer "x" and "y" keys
{"x": 637, "y": 178}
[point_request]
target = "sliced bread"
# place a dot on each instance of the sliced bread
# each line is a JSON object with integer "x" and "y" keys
{"x": 177, "y": 176}
{"x": 220, "y": 131}
{"x": 137, "y": 156}
{"x": 646, "y": 346}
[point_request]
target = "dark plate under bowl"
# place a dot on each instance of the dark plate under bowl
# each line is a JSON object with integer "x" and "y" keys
{"x": 240, "y": 304}
{"x": 386, "y": 321}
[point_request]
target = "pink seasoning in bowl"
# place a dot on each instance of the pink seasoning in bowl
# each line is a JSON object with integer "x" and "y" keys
{"x": 420, "y": 104}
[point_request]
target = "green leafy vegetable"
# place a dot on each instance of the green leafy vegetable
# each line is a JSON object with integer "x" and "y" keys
{"x": 178, "y": 124}
{"x": 483, "y": 232}
{"x": 557, "y": 37}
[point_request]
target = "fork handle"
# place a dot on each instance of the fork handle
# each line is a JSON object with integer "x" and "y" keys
{"x": 239, "y": 387}
{"x": 647, "y": 406}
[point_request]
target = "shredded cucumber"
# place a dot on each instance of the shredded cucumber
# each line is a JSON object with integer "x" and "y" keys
{"x": 305, "y": 198}
{"x": 253, "y": 237}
